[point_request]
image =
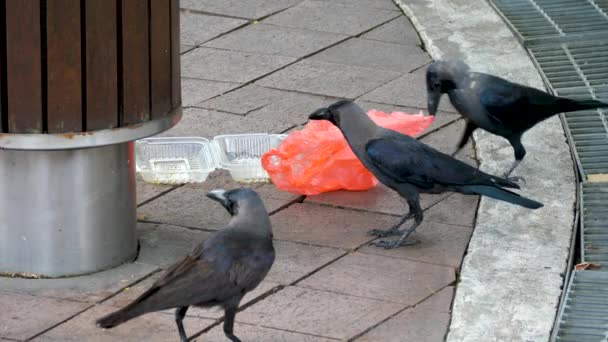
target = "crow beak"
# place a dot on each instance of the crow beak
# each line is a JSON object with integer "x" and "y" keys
{"x": 433, "y": 98}
{"x": 219, "y": 195}
{"x": 319, "y": 114}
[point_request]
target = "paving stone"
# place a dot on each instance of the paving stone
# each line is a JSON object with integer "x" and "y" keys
{"x": 131, "y": 293}
{"x": 195, "y": 91}
{"x": 89, "y": 288}
{"x": 146, "y": 191}
{"x": 276, "y": 40}
{"x": 321, "y": 16}
{"x": 426, "y": 322}
{"x": 440, "y": 244}
{"x": 399, "y": 30}
{"x": 185, "y": 48}
{"x": 408, "y": 90}
{"x": 198, "y": 28}
{"x": 247, "y": 332}
{"x": 189, "y": 206}
{"x": 441, "y": 119}
{"x": 149, "y": 327}
{"x": 318, "y": 312}
{"x": 229, "y": 66}
{"x": 379, "y": 199}
{"x": 380, "y": 277}
{"x": 163, "y": 245}
{"x": 457, "y": 209}
{"x": 268, "y": 104}
{"x": 374, "y": 54}
{"x": 328, "y": 79}
{"x": 275, "y": 199}
{"x": 250, "y": 9}
{"x": 326, "y": 226}
{"x": 24, "y": 316}
{"x": 295, "y": 260}
{"x": 446, "y": 139}
{"x": 200, "y": 122}
{"x": 380, "y": 4}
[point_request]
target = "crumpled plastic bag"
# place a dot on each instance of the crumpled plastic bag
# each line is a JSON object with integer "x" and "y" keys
{"x": 318, "y": 159}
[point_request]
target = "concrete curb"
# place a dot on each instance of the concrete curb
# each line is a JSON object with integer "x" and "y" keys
{"x": 511, "y": 277}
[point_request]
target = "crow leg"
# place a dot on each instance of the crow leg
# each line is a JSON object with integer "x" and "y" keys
{"x": 180, "y": 313}
{"x": 394, "y": 230}
{"x": 520, "y": 153}
{"x": 468, "y": 131}
{"x": 414, "y": 203}
{"x": 230, "y": 314}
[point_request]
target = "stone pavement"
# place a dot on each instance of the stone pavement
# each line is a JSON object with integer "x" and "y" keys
{"x": 263, "y": 66}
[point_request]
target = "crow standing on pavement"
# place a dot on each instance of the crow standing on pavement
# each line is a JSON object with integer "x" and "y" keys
{"x": 410, "y": 167}
{"x": 220, "y": 271}
{"x": 496, "y": 105}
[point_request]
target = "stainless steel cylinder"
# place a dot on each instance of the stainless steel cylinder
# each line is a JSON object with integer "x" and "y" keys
{"x": 67, "y": 212}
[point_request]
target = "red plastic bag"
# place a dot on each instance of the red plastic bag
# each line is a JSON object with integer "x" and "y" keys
{"x": 318, "y": 159}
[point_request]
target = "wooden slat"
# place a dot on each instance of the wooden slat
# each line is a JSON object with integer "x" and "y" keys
{"x": 23, "y": 66}
{"x": 160, "y": 57}
{"x": 101, "y": 65}
{"x": 135, "y": 62}
{"x": 64, "y": 91}
{"x": 176, "y": 93}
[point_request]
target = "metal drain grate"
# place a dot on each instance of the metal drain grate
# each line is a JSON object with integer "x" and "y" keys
{"x": 594, "y": 226}
{"x": 580, "y": 70}
{"x": 584, "y": 311}
{"x": 568, "y": 41}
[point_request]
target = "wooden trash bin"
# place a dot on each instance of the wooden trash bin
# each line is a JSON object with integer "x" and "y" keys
{"x": 79, "y": 82}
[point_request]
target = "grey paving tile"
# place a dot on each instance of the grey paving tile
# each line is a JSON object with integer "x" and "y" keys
{"x": 207, "y": 123}
{"x": 328, "y": 79}
{"x": 248, "y": 332}
{"x": 197, "y": 28}
{"x": 379, "y": 199}
{"x": 163, "y": 245}
{"x": 185, "y": 48}
{"x": 195, "y": 91}
{"x": 229, "y": 66}
{"x": 380, "y": 4}
{"x": 441, "y": 119}
{"x": 446, "y": 139}
{"x": 326, "y": 226}
{"x": 295, "y": 260}
{"x": 439, "y": 243}
{"x": 89, "y": 288}
{"x": 321, "y": 16}
{"x": 131, "y": 293}
{"x": 427, "y": 322}
{"x": 275, "y": 199}
{"x": 457, "y": 209}
{"x": 24, "y": 316}
{"x": 276, "y": 40}
{"x": 251, "y": 9}
{"x": 268, "y": 104}
{"x": 375, "y": 54}
{"x": 189, "y": 206}
{"x": 399, "y": 30}
{"x": 146, "y": 191}
{"x": 318, "y": 312}
{"x": 149, "y": 327}
{"x": 409, "y": 91}
{"x": 380, "y": 277}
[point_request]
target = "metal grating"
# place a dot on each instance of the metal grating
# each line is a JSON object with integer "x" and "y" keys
{"x": 594, "y": 226}
{"x": 584, "y": 310}
{"x": 568, "y": 42}
{"x": 580, "y": 70}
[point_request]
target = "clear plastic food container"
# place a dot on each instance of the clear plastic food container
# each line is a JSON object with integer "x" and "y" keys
{"x": 174, "y": 160}
{"x": 240, "y": 154}
{"x": 191, "y": 159}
